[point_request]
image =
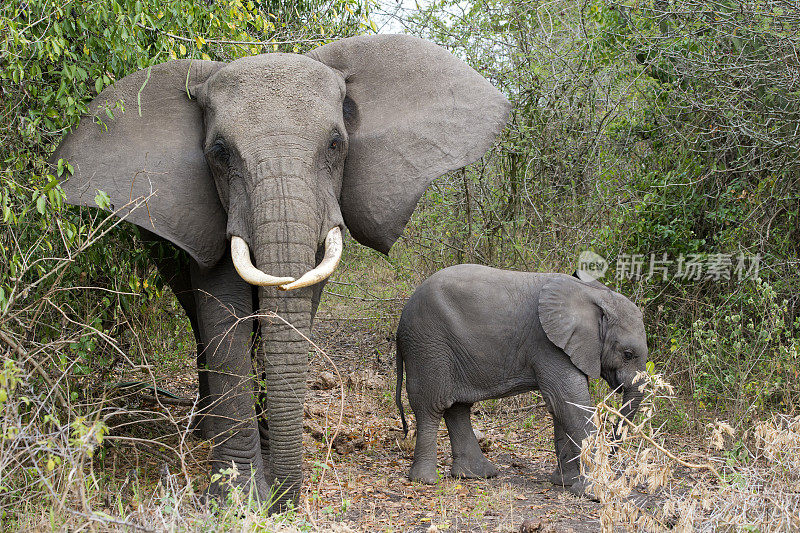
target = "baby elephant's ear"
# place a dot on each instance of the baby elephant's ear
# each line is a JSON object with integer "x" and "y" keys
{"x": 574, "y": 321}
{"x": 413, "y": 112}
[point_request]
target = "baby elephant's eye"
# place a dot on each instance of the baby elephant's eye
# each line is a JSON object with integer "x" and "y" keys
{"x": 335, "y": 142}
{"x": 629, "y": 354}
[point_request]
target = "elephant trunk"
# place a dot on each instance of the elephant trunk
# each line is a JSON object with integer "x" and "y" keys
{"x": 333, "y": 253}
{"x": 286, "y": 231}
{"x": 631, "y": 398}
{"x": 285, "y": 350}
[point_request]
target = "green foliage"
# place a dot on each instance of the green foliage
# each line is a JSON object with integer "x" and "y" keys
{"x": 747, "y": 352}
{"x": 718, "y": 169}
{"x": 647, "y": 128}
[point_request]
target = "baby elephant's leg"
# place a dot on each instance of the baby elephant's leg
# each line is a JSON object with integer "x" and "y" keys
{"x": 423, "y": 468}
{"x": 568, "y": 400}
{"x": 468, "y": 459}
{"x": 567, "y": 471}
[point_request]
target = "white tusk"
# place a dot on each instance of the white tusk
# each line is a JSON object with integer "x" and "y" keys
{"x": 240, "y": 253}
{"x": 333, "y": 253}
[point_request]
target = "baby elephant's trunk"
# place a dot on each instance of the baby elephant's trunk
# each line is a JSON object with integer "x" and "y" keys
{"x": 631, "y": 398}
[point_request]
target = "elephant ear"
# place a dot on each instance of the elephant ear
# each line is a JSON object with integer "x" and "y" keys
{"x": 150, "y": 154}
{"x": 413, "y": 112}
{"x": 573, "y": 319}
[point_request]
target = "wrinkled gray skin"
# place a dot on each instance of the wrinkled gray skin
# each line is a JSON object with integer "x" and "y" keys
{"x": 276, "y": 149}
{"x": 471, "y": 332}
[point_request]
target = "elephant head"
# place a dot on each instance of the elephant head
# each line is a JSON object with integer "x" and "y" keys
{"x": 268, "y": 157}
{"x": 600, "y": 330}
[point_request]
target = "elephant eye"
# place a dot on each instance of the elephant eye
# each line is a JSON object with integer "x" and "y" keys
{"x": 335, "y": 142}
{"x": 218, "y": 151}
{"x": 629, "y": 354}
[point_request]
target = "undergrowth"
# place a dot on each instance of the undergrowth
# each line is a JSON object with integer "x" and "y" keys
{"x": 742, "y": 480}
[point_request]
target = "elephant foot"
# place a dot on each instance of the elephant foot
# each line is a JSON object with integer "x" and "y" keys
{"x": 473, "y": 467}
{"x": 583, "y": 488}
{"x": 423, "y": 473}
{"x": 564, "y": 477}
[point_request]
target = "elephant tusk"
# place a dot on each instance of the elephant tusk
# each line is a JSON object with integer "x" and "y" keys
{"x": 333, "y": 253}
{"x": 240, "y": 253}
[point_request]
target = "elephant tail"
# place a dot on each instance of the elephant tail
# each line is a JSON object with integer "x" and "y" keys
{"x": 398, "y": 399}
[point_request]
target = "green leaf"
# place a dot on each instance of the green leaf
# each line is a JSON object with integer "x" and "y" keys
{"x": 51, "y": 182}
{"x": 102, "y": 200}
{"x": 41, "y": 204}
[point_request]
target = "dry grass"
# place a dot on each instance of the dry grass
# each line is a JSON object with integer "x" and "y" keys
{"x": 112, "y": 464}
{"x": 742, "y": 481}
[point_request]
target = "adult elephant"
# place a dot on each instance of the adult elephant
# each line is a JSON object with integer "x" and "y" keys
{"x": 268, "y": 158}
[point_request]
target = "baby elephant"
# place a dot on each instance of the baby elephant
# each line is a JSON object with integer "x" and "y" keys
{"x": 471, "y": 332}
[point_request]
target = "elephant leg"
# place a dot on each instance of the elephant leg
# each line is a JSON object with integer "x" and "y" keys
{"x": 567, "y": 473}
{"x": 224, "y": 313}
{"x": 567, "y": 469}
{"x": 423, "y": 468}
{"x": 566, "y": 395}
{"x": 175, "y": 271}
{"x": 181, "y": 287}
{"x": 186, "y": 298}
{"x": 468, "y": 459}
{"x": 197, "y": 424}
